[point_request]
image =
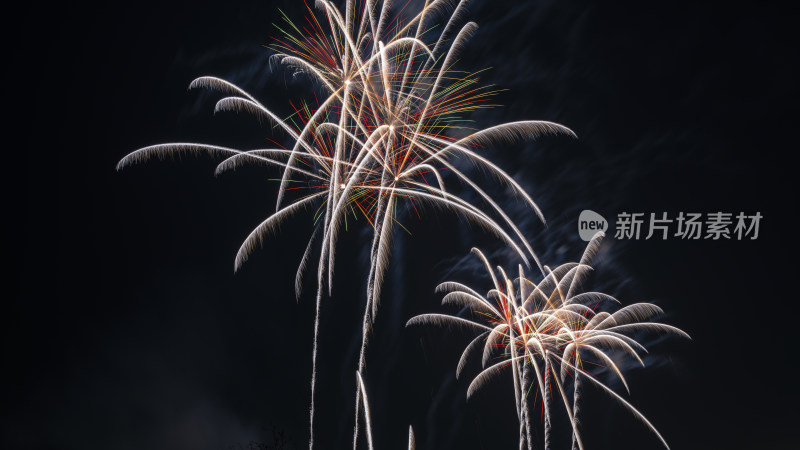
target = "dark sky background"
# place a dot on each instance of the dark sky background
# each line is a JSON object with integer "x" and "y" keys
{"x": 124, "y": 326}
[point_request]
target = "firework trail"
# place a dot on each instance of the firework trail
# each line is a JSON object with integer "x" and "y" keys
{"x": 552, "y": 329}
{"x": 367, "y": 416}
{"x": 367, "y": 419}
{"x": 381, "y": 137}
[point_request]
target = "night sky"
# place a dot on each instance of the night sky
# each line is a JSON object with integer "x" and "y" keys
{"x": 125, "y": 326}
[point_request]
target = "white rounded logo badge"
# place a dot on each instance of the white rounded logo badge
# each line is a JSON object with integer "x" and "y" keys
{"x": 589, "y": 223}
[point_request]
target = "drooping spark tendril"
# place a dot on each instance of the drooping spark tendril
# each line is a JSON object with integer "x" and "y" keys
{"x": 382, "y": 137}
{"x": 553, "y": 329}
{"x": 368, "y": 420}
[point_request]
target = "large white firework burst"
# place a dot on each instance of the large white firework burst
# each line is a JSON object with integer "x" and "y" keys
{"x": 388, "y": 126}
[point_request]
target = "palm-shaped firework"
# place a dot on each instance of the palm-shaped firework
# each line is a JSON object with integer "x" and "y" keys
{"x": 550, "y": 329}
{"x": 382, "y": 135}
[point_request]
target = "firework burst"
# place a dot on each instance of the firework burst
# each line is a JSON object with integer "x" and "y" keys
{"x": 382, "y": 136}
{"x": 551, "y": 329}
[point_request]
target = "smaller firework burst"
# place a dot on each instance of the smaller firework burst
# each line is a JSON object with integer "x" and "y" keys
{"x": 553, "y": 331}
